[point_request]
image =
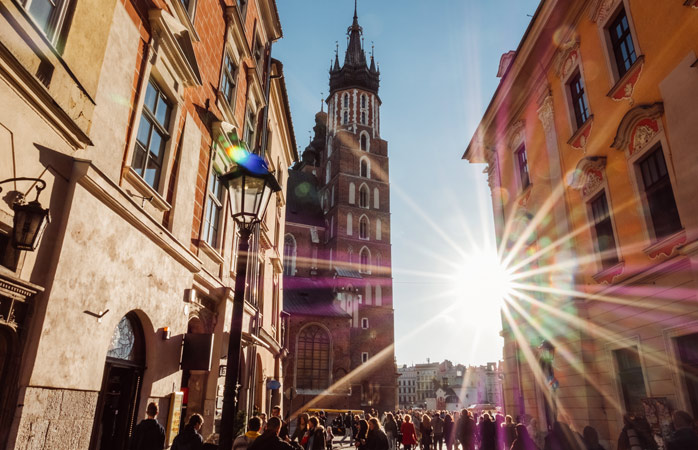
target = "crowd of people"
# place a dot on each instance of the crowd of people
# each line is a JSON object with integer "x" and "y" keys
{"x": 413, "y": 430}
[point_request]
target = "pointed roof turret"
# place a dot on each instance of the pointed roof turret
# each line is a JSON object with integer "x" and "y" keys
{"x": 355, "y": 72}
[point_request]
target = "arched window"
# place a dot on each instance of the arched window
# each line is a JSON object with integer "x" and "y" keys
{"x": 363, "y": 227}
{"x": 345, "y": 117}
{"x": 363, "y": 101}
{"x": 329, "y": 148}
{"x": 345, "y": 100}
{"x": 363, "y": 141}
{"x": 364, "y": 168}
{"x": 328, "y": 172}
{"x": 127, "y": 341}
{"x": 365, "y": 259}
{"x": 350, "y": 224}
{"x": 363, "y": 197}
{"x": 376, "y": 202}
{"x": 379, "y": 295}
{"x": 352, "y": 193}
{"x": 363, "y": 117}
{"x": 379, "y": 231}
{"x": 290, "y": 255}
{"x": 313, "y": 358}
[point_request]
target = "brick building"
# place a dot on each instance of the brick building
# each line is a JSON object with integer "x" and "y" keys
{"x": 127, "y": 112}
{"x": 337, "y": 254}
{"x": 590, "y": 145}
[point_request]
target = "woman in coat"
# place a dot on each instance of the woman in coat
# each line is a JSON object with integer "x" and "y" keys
{"x": 426, "y": 431}
{"x": 376, "y": 438}
{"x": 449, "y": 432}
{"x": 409, "y": 435}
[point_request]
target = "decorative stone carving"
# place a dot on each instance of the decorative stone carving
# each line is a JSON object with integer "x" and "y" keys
{"x": 645, "y": 130}
{"x": 546, "y": 114}
{"x": 626, "y": 85}
{"x": 608, "y": 276}
{"x": 517, "y": 135}
{"x": 600, "y": 10}
{"x": 666, "y": 246}
{"x": 580, "y": 138}
{"x": 638, "y": 126}
{"x": 492, "y": 171}
{"x": 566, "y": 59}
{"x": 588, "y": 177}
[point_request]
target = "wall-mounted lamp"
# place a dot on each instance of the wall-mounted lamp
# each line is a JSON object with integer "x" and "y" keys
{"x": 30, "y": 219}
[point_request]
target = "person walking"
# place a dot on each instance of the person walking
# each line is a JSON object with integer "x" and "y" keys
{"x": 426, "y": 430}
{"x": 301, "y": 428}
{"x": 149, "y": 434}
{"x": 508, "y": 433}
{"x": 522, "y": 440}
{"x": 591, "y": 439}
{"x": 466, "y": 431}
{"x": 270, "y": 440}
{"x": 376, "y": 439}
{"x": 189, "y": 438}
{"x": 390, "y": 430}
{"x": 409, "y": 435}
{"x": 684, "y": 436}
{"x": 283, "y": 431}
{"x": 449, "y": 432}
{"x": 243, "y": 441}
{"x": 437, "y": 424}
{"x": 315, "y": 435}
{"x": 361, "y": 435}
{"x": 488, "y": 433}
{"x": 329, "y": 438}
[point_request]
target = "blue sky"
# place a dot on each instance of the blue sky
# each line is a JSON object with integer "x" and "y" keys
{"x": 438, "y": 62}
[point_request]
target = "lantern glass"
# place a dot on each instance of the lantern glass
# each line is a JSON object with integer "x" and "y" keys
{"x": 249, "y": 194}
{"x": 30, "y": 222}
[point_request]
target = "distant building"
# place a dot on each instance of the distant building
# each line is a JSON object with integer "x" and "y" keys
{"x": 337, "y": 252}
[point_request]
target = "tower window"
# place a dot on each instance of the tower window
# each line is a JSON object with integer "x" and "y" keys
{"x": 364, "y": 357}
{"x": 363, "y": 196}
{"x": 363, "y": 118}
{"x": 364, "y": 142}
{"x": 363, "y": 228}
{"x": 364, "y": 169}
{"x": 345, "y": 118}
{"x": 345, "y": 100}
{"x": 364, "y": 323}
{"x": 365, "y": 260}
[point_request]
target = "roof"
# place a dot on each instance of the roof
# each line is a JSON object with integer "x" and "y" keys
{"x": 346, "y": 273}
{"x": 310, "y": 297}
{"x": 303, "y": 199}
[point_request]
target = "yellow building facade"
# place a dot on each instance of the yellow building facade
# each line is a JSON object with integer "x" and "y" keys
{"x": 592, "y": 163}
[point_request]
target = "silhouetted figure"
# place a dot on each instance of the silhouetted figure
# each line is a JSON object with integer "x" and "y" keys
{"x": 684, "y": 436}
{"x": 523, "y": 440}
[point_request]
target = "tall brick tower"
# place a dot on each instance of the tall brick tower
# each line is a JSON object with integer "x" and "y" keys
{"x": 338, "y": 291}
{"x": 355, "y": 196}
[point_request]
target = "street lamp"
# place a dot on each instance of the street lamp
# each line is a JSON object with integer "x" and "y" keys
{"x": 30, "y": 219}
{"x": 249, "y": 187}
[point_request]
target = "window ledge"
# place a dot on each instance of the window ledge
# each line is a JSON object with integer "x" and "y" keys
{"x": 525, "y": 195}
{"x": 626, "y": 84}
{"x": 211, "y": 252}
{"x": 146, "y": 190}
{"x": 607, "y": 276}
{"x": 581, "y": 136}
{"x": 667, "y": 245}
{"x": 183, "y": 16}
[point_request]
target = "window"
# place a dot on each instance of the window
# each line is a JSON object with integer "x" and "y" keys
{"x": 659, "y": 194}
{"x": 328, "y": 172}
{"x": 580, "y": 105}
{"x": 631, "y": 379}
{"x": 363, "y": 196}
{"x": 688, "y": 356}
{"x": 289, "y": 255}
{"x": 313, "y": 358}
{"x": 190, "y": 7}
{"x": 379, "y": 231}
{"x": 363, "y": 101}
{"x": 153, "y": 133}
{"x": 364, "y": 170}
{"x": 363, "y": 228}
{"x": 242, "y": 6}
{"x": 605, "y": 239}
{"x": 622, "y": 42}
{"x": 345, "y": 118}
{"x": 522, "y": 166}
{"x": 364, "y": 357}
{"x": 364, "y": 142}
{"x": 259, "y": 54}
{"x": 345, "y": 100}
{"x": 350, "y": 224}
{"x": 364, "y": 324}
{"x": 352, "y": 193}
{"x": 379, "y": 295}
{"x": 249, "y": 134}
{"x": 228, "y": 81}
{"x": 49, "y": 15}
{"x": 214, "y": 207}
{"x": 365, "y": 259}
{"x": 376, "y": 202}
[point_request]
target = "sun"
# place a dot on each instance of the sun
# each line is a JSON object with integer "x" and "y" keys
{"x": 482, "y": 282}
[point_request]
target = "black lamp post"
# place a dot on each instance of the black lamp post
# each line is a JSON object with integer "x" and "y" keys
{"x": 249, "y": 193}
{"x": 30, "y": 219}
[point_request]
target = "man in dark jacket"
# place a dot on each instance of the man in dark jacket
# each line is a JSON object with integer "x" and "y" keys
{"x": 283, "y": 431}
{"x": 683, "y": 438}
{"x": 149, "y": 434}
{"x": 269, "y": 440}
{"x": 189, "y": 438}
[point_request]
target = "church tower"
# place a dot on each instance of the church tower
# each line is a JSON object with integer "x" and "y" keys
{"x": 355, "y": 198}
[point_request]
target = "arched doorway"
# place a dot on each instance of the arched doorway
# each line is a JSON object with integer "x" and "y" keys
{"x": 8, "y": 366}
{"x": 121, "y": 386}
